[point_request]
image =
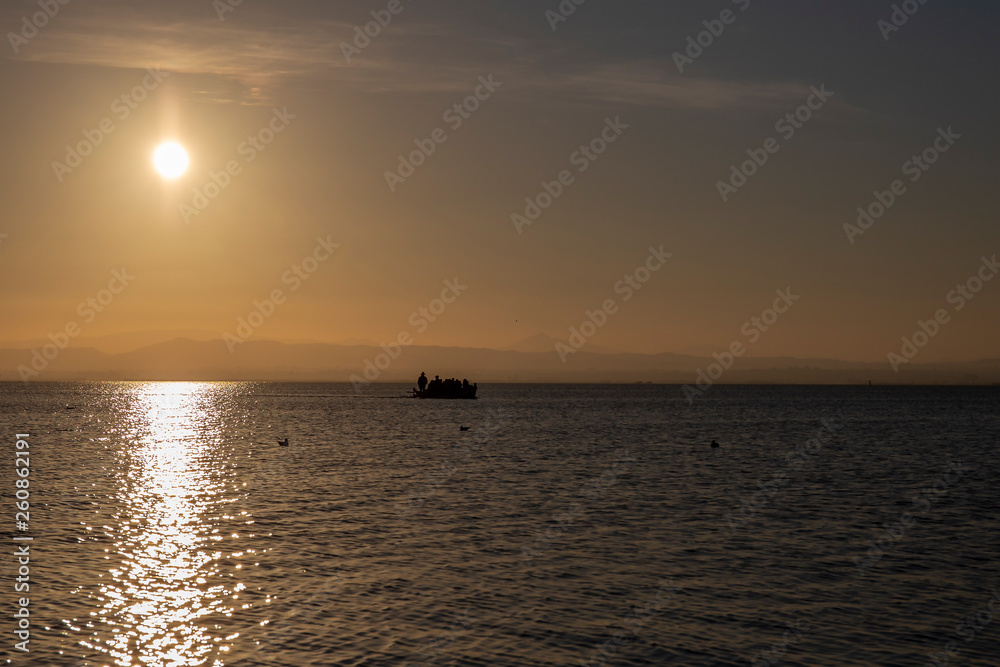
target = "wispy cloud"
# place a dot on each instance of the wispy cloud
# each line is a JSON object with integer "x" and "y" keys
{"x": 256, "y": 58}
{"x": 651, "y": 84}
{"x": 245, "y": 61}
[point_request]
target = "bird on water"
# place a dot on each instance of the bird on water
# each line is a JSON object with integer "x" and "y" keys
{"x": 715, "y": 445}
{"x": 283, "y": 443}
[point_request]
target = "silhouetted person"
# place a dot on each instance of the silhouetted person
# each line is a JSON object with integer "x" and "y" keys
{"x": 422, "y": 382}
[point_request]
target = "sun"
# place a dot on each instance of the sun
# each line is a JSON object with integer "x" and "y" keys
{"x": 170, "y": 159}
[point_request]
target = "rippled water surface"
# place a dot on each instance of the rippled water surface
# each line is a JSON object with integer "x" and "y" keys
{"x": 569, "y": 525}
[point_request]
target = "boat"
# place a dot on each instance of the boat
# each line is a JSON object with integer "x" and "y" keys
{"x": 447, "y": 391}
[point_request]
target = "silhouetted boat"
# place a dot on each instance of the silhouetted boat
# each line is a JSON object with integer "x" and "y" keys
{"x": 468, "y": 393}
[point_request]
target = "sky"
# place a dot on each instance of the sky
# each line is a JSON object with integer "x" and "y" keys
{"x": 292, "y": 122}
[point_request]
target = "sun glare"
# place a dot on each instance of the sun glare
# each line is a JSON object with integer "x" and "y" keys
{"x": 170, "y": 159}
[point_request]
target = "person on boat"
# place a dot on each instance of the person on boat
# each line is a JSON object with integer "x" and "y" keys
{"x": 465, "y": 384}
{"x": 422, "y": 382}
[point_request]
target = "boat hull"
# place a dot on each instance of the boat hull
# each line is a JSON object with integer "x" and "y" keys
{"x": 464, "y": 394}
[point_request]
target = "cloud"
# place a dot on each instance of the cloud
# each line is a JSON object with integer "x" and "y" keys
{"x": 256, "y": 58}
{"x": 246, "y": 58}
{"x": 650, "y": 84}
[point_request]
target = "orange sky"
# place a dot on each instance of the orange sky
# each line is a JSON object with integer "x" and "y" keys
{"x": 344, "y": 125}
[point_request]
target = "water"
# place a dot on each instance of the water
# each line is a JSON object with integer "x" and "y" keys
{"x": 170, "y": 529}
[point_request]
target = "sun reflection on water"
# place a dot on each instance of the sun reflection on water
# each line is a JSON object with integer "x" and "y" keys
{"x": 165, "y": 597}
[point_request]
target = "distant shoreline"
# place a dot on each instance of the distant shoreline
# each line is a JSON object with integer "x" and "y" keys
{"x": 387, "y": 384}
